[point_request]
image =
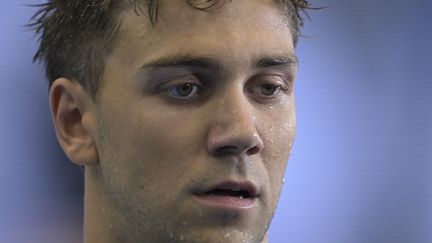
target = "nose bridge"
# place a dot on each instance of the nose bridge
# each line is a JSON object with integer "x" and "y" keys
{"x": 237, "y": 112}
{"x": 234, "y": 125}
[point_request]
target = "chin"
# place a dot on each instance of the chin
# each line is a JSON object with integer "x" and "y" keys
{"x": 221, "y": 235}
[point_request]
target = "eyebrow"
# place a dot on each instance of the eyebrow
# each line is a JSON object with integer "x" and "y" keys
{"x": 209, "y": 63}
{"x": 184, "y": 61}
{"x": 277, "y": 61}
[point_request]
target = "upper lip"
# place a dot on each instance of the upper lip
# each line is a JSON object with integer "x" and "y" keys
{"x": 231, "y": 185}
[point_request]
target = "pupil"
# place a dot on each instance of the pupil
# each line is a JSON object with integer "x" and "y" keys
{"x": 268, "y": 89}
{"x": 185, "y": 89}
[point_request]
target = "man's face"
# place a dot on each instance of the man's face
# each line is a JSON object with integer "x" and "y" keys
{"x": 197, "y": 119}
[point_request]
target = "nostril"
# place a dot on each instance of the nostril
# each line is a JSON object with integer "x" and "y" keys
{"x": 235, "y": 150}
{"x": 226, "y": 150}
{"x": 253, "y": 150}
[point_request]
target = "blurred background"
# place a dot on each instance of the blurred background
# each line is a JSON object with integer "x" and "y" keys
{"x": 361, "y": 169}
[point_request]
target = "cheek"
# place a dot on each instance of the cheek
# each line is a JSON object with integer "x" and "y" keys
{"x": 278, "y": 128}
{"x": 150, "y": 143}
{"x": 278, "y": 137}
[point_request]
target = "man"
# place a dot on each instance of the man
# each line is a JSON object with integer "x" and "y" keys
{"x": 181, "y": 112}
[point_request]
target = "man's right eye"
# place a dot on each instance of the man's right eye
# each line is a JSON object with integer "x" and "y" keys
{"x": 184, "y": 90}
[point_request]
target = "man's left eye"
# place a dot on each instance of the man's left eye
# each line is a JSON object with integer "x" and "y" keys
{"x": 184, "y": 90}
{"x": 265, "y": 88}
{"x": 269, "y": 89}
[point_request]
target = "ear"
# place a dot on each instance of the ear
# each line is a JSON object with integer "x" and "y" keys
{"x": 74, "y": 116}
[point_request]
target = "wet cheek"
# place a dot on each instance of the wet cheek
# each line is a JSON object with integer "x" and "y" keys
{"x": 278, "y": 137}
{"x": 278, "y": 133}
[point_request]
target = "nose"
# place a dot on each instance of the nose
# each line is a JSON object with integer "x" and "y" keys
{"x": 233, "y": 130}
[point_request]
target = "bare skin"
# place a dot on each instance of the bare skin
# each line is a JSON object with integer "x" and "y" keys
{"x": 201, "y": 97}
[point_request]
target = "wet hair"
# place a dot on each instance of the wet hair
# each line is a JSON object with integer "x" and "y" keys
{"x": 75, "y": 36}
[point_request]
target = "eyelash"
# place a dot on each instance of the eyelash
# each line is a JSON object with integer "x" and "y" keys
{"x": 278, "y": 84}
{"x": 277, "y": 89}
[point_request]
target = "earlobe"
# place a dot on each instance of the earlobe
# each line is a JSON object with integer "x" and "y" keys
{"x": 73, "y": 114}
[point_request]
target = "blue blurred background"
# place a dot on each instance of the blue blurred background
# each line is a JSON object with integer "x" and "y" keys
{"x": 361, "y": 166}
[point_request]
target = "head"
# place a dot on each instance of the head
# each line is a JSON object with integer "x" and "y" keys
{"x": 182, "y": 112}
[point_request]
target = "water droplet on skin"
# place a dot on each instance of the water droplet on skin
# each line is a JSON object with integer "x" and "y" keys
{"x": 283, "y": 180}
{"x": 282, "y": 102}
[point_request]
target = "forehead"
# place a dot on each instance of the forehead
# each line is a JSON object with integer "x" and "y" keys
{"x": 237, "y": 27}
{"x": 228, "y": 12}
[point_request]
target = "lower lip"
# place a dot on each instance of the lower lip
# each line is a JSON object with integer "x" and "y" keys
{"x": 227, "y": 202}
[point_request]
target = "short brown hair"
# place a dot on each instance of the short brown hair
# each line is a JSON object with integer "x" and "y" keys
{"x": 76, "y": 36}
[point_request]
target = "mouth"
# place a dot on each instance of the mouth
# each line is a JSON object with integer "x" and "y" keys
{"x": 230, "y": 195}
